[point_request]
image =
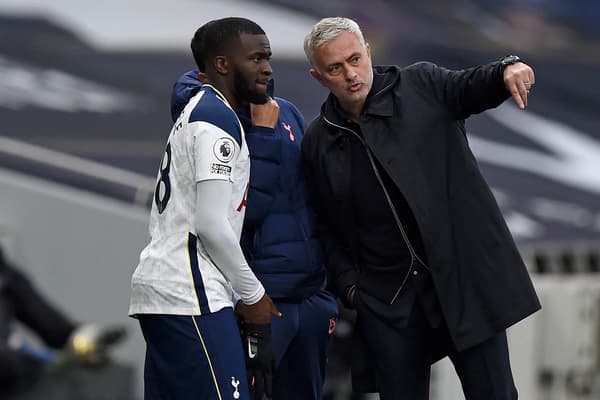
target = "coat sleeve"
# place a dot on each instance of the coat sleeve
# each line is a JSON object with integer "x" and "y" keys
{"x": 464, "y": 92}
{"x": 342, "y": 273}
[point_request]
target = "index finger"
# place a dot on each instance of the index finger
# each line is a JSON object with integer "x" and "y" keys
{"x": 517, "y": 96}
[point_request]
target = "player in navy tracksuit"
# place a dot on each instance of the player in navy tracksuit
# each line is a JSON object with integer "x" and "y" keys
{"x": 280, "y": 242}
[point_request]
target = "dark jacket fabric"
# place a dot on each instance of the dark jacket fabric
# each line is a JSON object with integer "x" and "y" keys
{"x": 21, "y": 367}
{"x": 279, "y": 236}
{"x": 413, "y": 125}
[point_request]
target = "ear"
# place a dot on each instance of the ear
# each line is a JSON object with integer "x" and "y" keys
{"x": 221, "y": 65}
{"x": 368, "y": 50}
{"x": 317, "y": 75}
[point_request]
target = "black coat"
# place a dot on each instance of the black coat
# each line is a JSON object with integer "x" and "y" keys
{"x": 413, "y": 124}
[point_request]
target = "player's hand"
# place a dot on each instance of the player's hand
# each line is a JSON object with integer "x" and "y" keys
{"x": 90, "y": 342}
{"x": 257, "y": 313}
{"x": 265, "y": 114}
{"x": 258, "y": 351}
{"x": 519, "y": 80}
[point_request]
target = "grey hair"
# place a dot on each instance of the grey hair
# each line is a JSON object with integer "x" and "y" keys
{"x": 327, "y": 30}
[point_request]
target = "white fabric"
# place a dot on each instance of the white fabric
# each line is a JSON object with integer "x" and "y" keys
{"x": 163, "y": 282}
{"x": 220, "y": 241}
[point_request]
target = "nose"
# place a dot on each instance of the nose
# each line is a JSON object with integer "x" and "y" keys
{"x": 267, "y": 70}
{"x": 351, "y": 74}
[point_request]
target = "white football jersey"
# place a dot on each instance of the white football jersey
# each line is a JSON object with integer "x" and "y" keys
{"x": 175, "y": 275}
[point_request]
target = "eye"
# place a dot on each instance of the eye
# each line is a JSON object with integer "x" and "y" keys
{"x": 260, "y": 58}
{"x": 334, "y": 69}
{"x": 354, "y": 60}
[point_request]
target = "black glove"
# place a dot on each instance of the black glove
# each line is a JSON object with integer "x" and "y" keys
{"x": 259, "y": 358}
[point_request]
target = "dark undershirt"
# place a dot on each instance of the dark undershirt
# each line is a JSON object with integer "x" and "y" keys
{"x": 381, "y": 244}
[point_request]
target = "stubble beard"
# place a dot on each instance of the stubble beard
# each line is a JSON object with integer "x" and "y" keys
{"x": 244, "y": 92}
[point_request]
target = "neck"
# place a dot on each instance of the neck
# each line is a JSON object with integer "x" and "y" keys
{"x": 352, "y": 111}
{"x": 224, "y": 92}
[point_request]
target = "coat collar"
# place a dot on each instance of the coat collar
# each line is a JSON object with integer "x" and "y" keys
{"x": 380, "y": 100}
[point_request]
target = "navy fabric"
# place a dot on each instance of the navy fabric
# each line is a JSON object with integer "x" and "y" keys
{"x": 197, "y": 275}
{"x": 300, "y": 373}
{"x": 213, "y": 112}
{"x": 280, "y": 233}
{"x": 184, "y": 89}
{"x": 193, "y": 357}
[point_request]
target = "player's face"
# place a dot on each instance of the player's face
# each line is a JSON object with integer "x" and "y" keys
{"x": 251, "y": 68}
{"x": 343, "y": 66}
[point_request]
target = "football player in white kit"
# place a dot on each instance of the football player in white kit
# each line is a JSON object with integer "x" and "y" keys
{"x": 182, "y": 289}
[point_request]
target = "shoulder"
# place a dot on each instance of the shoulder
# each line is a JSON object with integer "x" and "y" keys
{"x": 314, "y": 125}
{"x": 420, "y": 70}
{"x": 424, "y": 76}
{"x": 287, "y": 107}
{"x": 212, "y": 109}
{"x": 314, "y": 130}
{"x": 291, "y": 119}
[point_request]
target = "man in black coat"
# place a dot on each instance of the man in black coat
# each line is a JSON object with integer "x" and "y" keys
{"x": 414, "y": 238}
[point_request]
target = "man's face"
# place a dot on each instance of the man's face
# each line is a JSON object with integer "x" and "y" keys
{"x": 251, "y": 68}
{"x": 343, "y": 66}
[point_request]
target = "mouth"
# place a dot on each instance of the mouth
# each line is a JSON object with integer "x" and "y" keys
{"x": 261, "y": 86}
{"x": 355, "y": 87}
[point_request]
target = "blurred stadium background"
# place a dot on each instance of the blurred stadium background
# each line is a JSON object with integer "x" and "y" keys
{"x": 84, "y": 114}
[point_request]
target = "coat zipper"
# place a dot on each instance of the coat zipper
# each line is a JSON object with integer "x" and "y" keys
{"x": 413, "y": 255}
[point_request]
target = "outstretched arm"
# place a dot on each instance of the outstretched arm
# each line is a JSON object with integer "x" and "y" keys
{"x": 474, "y": 90}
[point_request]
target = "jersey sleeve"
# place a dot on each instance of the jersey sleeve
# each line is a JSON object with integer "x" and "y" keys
{"x": 215, "y": 152}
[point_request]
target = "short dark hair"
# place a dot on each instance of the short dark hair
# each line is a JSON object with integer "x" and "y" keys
{"x": 215, "y": 37}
